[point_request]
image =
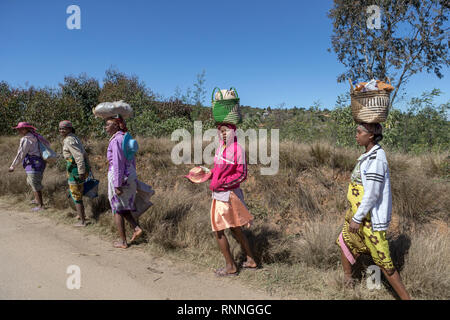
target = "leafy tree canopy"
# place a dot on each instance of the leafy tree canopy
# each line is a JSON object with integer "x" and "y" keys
{"x": 412, "y": 37}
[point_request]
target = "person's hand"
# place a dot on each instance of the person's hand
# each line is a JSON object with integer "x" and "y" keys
{"x": 118, "y": 191}
{"x": 354, "y": 227}
{"x": 11, "y": 169}
{"x": 205, "y": 169}
{"x": 207, "y": 172}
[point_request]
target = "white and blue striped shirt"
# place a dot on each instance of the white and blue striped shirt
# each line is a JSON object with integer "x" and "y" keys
{"x": 377, "y": 197}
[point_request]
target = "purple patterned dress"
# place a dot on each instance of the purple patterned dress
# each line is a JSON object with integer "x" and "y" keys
{"x": 121, "y": 173}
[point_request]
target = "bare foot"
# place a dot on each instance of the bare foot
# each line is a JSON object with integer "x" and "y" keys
{"x": 120, "y": 244}
{"x": 223, "y": 272}
{"x": 137, "y": 233}
{"x": 249, "y": 264}
{"x": 349, "y": 283}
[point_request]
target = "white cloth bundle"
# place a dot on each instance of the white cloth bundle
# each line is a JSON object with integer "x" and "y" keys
{"x": 227, "y": 95}
{"x": 370, "y": 86}
{"x": 110, "y": 109}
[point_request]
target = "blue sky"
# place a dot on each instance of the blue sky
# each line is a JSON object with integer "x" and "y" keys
{"x": 273, "y": 52}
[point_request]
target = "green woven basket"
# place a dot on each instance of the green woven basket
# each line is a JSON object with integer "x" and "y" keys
{"x": 226, "y": 111}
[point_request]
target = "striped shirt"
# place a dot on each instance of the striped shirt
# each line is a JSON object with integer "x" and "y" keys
{"x": 377, "y": 197}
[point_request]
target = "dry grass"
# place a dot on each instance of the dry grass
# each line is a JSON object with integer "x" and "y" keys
{"x": 426, "y": 270}
{"x": 298, "y": 215}
{"x": 436, "y": 165}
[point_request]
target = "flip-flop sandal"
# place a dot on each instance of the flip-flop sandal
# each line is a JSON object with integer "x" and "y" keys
{"x": 136, "y": 235}
{"x": 222, "y": 272}
{"x": 120, "y": 245}
{"x": 37, "y": 209}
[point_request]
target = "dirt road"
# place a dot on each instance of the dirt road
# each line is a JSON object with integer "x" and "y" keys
{"x": 36, "y": 252}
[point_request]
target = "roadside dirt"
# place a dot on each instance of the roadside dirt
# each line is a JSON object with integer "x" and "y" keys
{"x": 36, "y": 252}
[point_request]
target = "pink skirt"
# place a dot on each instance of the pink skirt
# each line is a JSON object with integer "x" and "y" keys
{"x": 231, "y": 214}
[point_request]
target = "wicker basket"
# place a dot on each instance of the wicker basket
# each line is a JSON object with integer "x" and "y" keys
{"x": 226, "y": 111}
{"x": 370, "y": 106}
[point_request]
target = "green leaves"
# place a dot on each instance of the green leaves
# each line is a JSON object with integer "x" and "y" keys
{"x": 423, "y": 127}
{"x": 412, "y": 39}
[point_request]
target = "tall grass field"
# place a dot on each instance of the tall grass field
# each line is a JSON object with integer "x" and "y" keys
{"x": 298, "y": 213}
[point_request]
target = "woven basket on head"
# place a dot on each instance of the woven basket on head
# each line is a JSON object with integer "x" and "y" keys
{"x": 370, "y": 106}
{"x": 226, "y": 110}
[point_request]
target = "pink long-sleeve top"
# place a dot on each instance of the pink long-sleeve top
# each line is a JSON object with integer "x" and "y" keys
{"x": 117, "y": 161}
{"x": 230, "y": 167}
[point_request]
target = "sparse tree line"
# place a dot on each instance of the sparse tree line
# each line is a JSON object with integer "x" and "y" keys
{"x": 423, "y": 127}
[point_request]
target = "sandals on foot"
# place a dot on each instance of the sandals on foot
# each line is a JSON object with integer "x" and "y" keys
{"x": 222, "y": 272}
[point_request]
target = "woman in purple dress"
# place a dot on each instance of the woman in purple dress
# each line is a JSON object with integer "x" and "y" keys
{"x": 122, "y": 181}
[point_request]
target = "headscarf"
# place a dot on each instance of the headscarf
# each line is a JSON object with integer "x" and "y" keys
{"x": 232, "y": 135}
{"x": 373, "y": 128}
{"x": 229, "y": 125}
{"x": 39, "y": 137}
{"x": 120, "y": 122}
{"x": 65, "y": 124}
{"x": 33, "y": 131}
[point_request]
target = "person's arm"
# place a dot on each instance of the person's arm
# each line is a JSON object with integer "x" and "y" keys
{"x": 212, "y": 173}
{"x": 77, "y": 153}
{"x": 240, "y": 174}
{"x": 214, "y": 164}
{"x": 118, "y": 162}
{"x": 22, "y": 151}
{"x": 375, "y": 177}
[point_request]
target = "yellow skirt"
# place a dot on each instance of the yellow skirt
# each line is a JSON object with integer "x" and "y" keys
{"x": 365, "y": 241}
{"x": 76, "y": 192}
{"x": 231, "y": 214}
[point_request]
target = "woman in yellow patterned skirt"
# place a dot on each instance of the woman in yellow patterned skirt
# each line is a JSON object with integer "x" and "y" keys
{"x": 367, "y": 220}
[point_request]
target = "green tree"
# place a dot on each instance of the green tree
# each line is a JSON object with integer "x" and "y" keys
{"x": 412, "y": 38}
{"x": 199, "y": 94}
{"x": 427, "y": 127}
{"x": 119, "y": 86}
{"x": 82, "y": 89}
{"x": 194, "y": 96}
{"x": 343, "y": 124}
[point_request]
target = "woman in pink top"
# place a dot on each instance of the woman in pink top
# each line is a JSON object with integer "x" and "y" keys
{"x": 228, "y": 209}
